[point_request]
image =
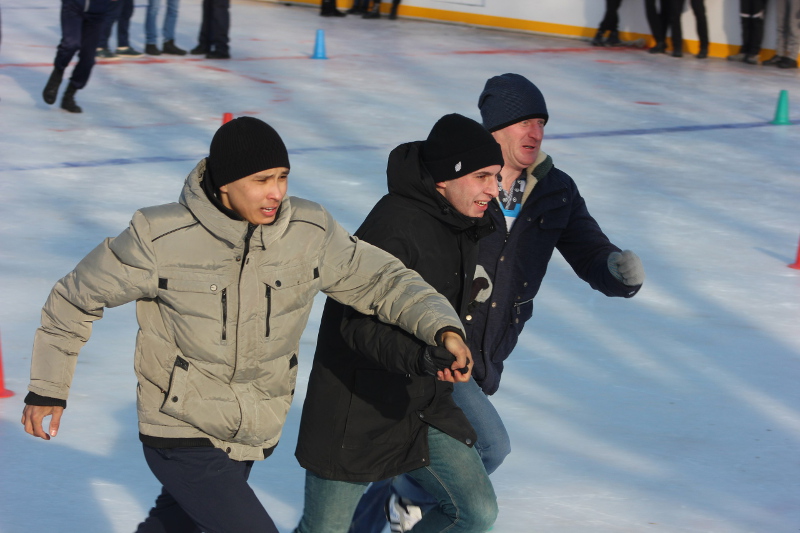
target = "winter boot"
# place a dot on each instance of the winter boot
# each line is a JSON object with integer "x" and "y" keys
{"x": 357, "y": 8}
{"x": 598, "y": 38}
{"x": 68, "y": 100}
{"x": 375, "y": 12}
{"x": 393, "y": 12}
{"x": 328, "y": 9}
{"x": 50, "y": 92}
{"x": 613, "y": 39}
{"x": 170, "y": 49}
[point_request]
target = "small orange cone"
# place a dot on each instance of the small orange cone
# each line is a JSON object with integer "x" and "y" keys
{"x": 227, "y": 117}
{"x": 4, "y": 393}
{"x": 796, "y": 263}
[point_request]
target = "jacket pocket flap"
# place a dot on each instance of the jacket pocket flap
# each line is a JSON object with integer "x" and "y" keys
{"x": 292, "y": 276}
{"x": 208, "y": 285}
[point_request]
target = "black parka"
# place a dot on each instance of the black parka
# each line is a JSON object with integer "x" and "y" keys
{"x": 368, "y": 406}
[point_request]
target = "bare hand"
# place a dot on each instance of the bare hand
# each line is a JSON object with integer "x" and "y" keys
{"x": 33, "y": 417}
{"x": 461, "y": 369}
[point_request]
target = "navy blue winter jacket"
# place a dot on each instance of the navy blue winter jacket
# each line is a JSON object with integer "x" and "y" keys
{"x": 554, "y": 216}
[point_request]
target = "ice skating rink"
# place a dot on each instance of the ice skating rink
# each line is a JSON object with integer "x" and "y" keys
{"x": 676, "y": 411}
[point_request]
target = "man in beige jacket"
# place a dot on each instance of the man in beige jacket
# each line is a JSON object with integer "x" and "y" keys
{"x": 223, "y": 281}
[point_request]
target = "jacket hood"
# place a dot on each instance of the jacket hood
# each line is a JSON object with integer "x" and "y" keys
{"x": 408, "y": 178}
{"x": 194, "y": 197}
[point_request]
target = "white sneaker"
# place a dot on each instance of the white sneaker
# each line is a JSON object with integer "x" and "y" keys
{"x": 402, "y": 514}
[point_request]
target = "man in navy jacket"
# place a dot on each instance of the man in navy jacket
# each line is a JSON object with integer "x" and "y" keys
{"x": 539, "y": 209}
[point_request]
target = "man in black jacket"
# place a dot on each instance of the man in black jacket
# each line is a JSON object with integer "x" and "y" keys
{"x": 379, "y": 402}
{"x": 539, "y": 210}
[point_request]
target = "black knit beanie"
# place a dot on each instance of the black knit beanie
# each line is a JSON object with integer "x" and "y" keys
{"x": 244, "y": 146}
{"x": 457, "y": 146}
{"x": 508, "y": 99}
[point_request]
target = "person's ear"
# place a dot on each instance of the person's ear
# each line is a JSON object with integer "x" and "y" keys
{"x": 224, "y": 188}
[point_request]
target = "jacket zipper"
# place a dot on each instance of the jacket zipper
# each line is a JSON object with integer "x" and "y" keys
{"x": 269, "y": 307}
{"x": 517, "y": 305}
{"x": 224, "y": 314}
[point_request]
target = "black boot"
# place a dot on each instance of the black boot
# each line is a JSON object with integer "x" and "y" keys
{"x": 358, "y": 8}
{"x": 375, "y": 12}
{"x": 703, "y": 53}
{"x": 613, "y": 39}
{"x": 659, "y": 48}
{"x": 50, "y": 92}
{"x": 598, "y": 38}
{"x": 393, "y": 12}
{"x": 68, "y": 100}
{"x": 328, "y": 9}
{"x": 171, "y": 49}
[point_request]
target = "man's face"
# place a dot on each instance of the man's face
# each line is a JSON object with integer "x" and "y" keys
{"x": 471, "y": 194}
{"x": 256, "y": 197}
{"x": 521, "y": 143}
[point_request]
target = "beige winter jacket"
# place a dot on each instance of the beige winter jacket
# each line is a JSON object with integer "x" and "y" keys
{"x": 216, "y": 352}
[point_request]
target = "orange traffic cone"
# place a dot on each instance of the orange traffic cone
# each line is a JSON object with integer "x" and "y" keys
{"x": 4, "y": 393}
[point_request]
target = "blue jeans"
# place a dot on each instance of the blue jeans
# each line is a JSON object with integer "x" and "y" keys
{"x": 493, "y": 446}
{"x": 203, "y": 490}
{"x": 455, "y": 477}
{"x": 170, "y": 20}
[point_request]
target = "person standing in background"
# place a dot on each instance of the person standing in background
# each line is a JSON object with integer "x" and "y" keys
{"x": 167, "y": 32}
{"x": 658, "y": 20}
{"x": 213, "y": 38}
{"x": 788, "y": 35}
{"x": 610, "y": 25}
{"x": 121, "y": 13}
{"x": 699, "y": 9}
{"x": 751, "y": 13}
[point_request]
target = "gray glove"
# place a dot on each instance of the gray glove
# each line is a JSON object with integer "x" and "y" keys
{"x": 626, "y": 267}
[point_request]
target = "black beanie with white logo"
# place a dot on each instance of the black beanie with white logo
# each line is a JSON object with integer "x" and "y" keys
{"x": 457, "y": 146}
{"x": 244, "y": 146}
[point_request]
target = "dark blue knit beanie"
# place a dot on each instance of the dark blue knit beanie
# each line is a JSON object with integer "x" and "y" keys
{"x": 508, "y": 99}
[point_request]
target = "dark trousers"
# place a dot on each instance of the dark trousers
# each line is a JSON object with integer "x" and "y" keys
{"x": 611, "y": 19}
{"x": 80, "y": 33}
{"x": 203, "y": 490}
{"x": 214, "y": 28}
{"x": 699, "y": 9}
{"x": 121, "y": 13}
{"x": 752, "y": 14}
{"x": 658, "y": 20}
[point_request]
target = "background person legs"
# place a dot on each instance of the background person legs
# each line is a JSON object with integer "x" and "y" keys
{"x": 329, "y": 504}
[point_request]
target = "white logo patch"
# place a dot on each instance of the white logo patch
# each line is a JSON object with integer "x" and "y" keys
{"x": 458, "y": 166}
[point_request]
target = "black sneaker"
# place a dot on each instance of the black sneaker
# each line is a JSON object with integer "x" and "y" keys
{"x": 597, "y": 40}
{"x": 127, "y": 51}
{"x": 152, "y": 50}
{"x": 751, "y": 59}
{"x": 199, "y": 50}
{"x": 773, "y": 61}
{"x": 613, "y": 39}
{"x": 787, "y": 62}
{"x": 659, "y": 48}
{"x": 170, "y": 48}
{"x": 105, "y": 53}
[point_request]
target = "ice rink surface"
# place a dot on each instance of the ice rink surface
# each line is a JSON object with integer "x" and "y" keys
{"x": 675, "y": 411}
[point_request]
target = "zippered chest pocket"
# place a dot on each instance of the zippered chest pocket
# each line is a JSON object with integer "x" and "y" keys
{"x": 198, "y": 306}
{"x": 288, "y": 291}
